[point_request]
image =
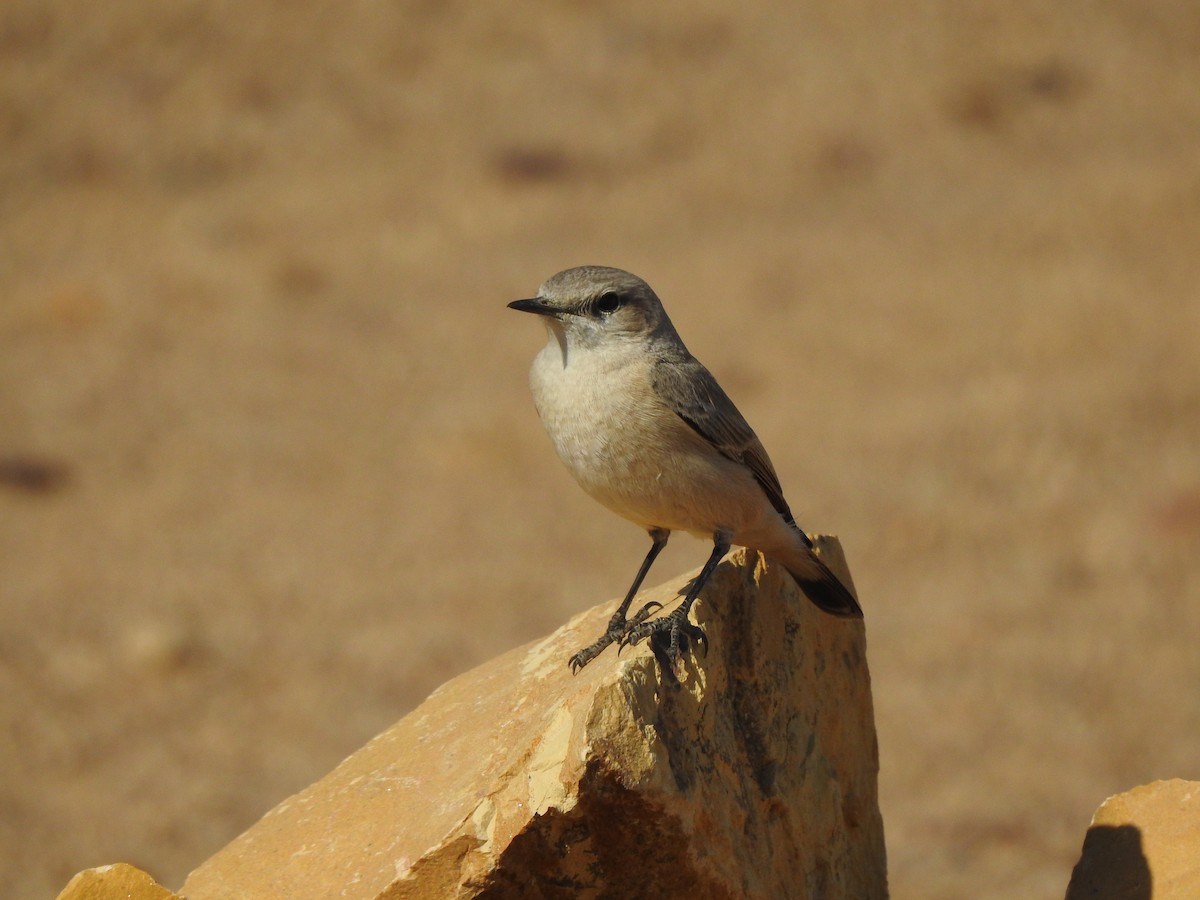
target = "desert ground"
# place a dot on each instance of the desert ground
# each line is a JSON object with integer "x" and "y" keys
{"x": 269, "y": 467}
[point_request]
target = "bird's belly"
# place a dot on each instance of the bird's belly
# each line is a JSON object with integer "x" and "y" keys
{"x": 679, "y": 495}
{"x": 640, "y": 459}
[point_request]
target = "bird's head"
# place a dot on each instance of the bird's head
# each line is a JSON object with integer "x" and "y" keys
{"x": 593, "y": 305}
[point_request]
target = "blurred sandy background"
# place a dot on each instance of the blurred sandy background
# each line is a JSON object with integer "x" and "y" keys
{"x": 270, "y": 472}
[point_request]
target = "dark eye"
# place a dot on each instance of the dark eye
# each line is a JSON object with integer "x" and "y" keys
{"x": 609, "y": 302}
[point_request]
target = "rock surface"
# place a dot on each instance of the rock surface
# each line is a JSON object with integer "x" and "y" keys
{"x": 753, "y": 775}
{"x": 1143, "y": 844}
{"x": 116, "y": 882}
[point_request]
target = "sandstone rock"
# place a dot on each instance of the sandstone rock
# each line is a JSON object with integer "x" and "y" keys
{"x": 753, "y": 775}
{"x": 1143, "y": 844}
{"x": 116, "y": 882}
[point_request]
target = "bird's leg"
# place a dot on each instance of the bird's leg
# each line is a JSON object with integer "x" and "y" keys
{"x": 670, "y": 634}
{"x": 617, "y": 625}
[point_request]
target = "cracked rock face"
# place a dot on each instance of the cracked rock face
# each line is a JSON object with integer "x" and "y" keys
{"x": 751, "y": 772}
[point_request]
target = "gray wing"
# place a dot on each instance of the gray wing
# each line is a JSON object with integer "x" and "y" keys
{"x": 690, "y": 390}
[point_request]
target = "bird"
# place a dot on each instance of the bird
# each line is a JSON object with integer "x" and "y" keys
{"x": 648, "y": 432}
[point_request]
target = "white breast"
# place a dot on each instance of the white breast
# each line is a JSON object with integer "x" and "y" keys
{"x": 590, "y": 404}
{"x": 630, "y": 451}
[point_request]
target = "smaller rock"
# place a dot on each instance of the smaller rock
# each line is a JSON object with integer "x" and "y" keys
{"x": 1142, "y": 845}
{"x": 116, "y": 882}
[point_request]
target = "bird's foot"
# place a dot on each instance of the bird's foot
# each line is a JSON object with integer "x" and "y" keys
{"x": 618, "y": 628}
{"x": 669, "y": 635}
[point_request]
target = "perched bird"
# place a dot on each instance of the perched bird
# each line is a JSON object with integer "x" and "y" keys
{"x": 647, "y": 431}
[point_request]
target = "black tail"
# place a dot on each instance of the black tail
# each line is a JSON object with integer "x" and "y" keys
{"x": 828, "y": 593}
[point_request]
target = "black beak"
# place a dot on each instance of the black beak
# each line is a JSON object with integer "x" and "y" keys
{"x": 534, "y": 305}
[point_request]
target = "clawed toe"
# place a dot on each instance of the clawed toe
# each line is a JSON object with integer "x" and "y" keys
{"x": 670, "y": 635}
{"x": 618, "y": 628}
{"x": 636, "y": 623}
{"x": 583, "y": 657}
{"x": 587, "y": 654}
{"x": 688, "y": 633}
{"x": 642, "y": 614}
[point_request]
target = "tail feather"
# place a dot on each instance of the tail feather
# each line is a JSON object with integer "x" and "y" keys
{"x": 829, "y": 594}
{"x": 817, "y": 580}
